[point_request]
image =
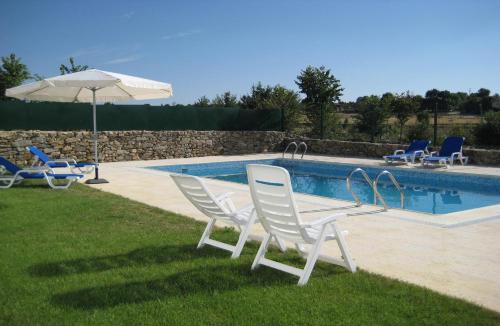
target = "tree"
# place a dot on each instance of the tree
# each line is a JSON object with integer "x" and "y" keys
{"x": 72, "y": 67}
{"x": 12, "y": 73}
{"x": 322, "y": 90}
{"x": 372, "y": 116}
{"x": 37, "y": 77}
{"x": 289, "y": 102}
{"x": 226, "y": 100}
{"x": 202, "y": 102}
{"x": 488, "y": 132}
{"x": 257, "y": 97}
{"x": 387, "y": 99}
{"x": 438, "y": 101}
{"x": 421, "y": 130}
{"x": 402, "y": 107}
{"x": 485, "y": 100}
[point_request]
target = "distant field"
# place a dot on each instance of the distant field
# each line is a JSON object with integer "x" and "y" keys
{"x": 443, "y": 119}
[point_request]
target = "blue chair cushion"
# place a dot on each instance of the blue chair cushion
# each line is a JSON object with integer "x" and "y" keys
{"x": 417, "y": 145}
{"x": 436, "y": 158}
{"x": 77, "y": 165}
{"x": 451, "y": 145}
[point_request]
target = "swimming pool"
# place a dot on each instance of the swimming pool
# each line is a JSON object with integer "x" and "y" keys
{"x": 425, "y": 191}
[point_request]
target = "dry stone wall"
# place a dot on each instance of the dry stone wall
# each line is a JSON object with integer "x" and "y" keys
{"x": 137, "y": 145}
{"x": 151, "y": 145}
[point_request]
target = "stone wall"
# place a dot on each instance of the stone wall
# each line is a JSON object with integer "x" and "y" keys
{"x": 137, "y": 145}
{"x": 151, "y": 145}
{"x": 377, "y": 150}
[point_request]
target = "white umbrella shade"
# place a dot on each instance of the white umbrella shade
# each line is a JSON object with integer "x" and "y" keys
{"x": 91, "y": 86}
{"x": 77, "y": 87}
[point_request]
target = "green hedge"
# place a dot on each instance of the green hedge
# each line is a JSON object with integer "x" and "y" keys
{"x": 78, "y": 116}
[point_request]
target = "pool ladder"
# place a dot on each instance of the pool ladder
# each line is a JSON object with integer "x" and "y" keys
{"x": 296, "y": 149}
{"x": 374, "y": 185}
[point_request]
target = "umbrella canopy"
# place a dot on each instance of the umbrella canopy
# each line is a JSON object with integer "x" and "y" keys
{"x": 79, "y": 86}
{"x": 90, "y": 86}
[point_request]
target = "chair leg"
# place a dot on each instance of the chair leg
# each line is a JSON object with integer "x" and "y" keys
{"x": 245, "y": 231}
{"x": 51, "y": 183}
{"x": 301, "y": 250}
{"x": 206, "y": 233}
{"x": 4, "y": 184}
{"x": 312, "y": 257}
{"x": 339, "y": 237}
{"x": 262, "y": 251}
{"x": 281, "y": 244}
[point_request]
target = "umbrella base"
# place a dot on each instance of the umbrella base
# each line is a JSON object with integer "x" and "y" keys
{"x": 96, "y": 181}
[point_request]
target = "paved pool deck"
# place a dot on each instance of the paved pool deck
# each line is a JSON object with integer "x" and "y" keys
{"x": 456, "y": 254}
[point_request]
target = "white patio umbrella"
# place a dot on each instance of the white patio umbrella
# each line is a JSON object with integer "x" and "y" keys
{"x": 90, "y": 86}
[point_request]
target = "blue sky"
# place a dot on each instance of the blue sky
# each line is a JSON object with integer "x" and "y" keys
{"x": 208, "y": 47}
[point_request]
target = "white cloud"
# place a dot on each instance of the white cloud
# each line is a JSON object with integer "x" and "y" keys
{"x": 126, "y": 59}
{"x": 181, "y": 34}
{"x": 128, "y": 15}
{"x": 88, "y": 52}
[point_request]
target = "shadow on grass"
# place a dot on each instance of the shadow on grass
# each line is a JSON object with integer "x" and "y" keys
{"x": 209, "y": 280}
{"x": 31, "y": 185}
{"x": 140, "y": 257}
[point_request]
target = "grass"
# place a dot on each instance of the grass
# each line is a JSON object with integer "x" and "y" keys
{"x": 87, "y": 257}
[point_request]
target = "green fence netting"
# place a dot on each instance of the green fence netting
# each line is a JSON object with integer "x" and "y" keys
{"x": 17, "y": 115}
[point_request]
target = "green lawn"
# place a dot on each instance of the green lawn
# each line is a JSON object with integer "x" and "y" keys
{"x": 83, "y": 256}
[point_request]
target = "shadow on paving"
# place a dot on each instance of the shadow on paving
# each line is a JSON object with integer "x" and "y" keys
{"x": 208, "y": 280}
{"x": 140, "y": 257}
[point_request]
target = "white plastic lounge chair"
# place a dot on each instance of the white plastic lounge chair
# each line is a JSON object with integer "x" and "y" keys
{"x": 451, "y": 151}
{"x": 217, "y": 208}
{"x": 275, "y": 206}
{"x": 73, "y": 165}
{"x": 417, "y": 149}
{"x": 34, "y": 173}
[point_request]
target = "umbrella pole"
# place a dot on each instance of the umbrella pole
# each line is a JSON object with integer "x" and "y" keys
{"x": 96, "y": 179}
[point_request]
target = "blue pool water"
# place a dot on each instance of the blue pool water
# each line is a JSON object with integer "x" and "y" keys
{"x": 425, "y": 191}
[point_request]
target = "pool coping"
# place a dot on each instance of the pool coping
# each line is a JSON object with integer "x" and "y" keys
{"x": 448, "y": 220}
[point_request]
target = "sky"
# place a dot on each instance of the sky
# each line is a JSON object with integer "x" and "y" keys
{"x": 209, "y": 47}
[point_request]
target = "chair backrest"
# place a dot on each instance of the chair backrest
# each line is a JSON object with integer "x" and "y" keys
{"x": 197, "y": 193}
{"x": 417, "y": 145}
{"x": 39, "y": 153}
{"x": 9, "y": 166}
{"x": 452, "y": 144}
{"x": 272, "y": 196}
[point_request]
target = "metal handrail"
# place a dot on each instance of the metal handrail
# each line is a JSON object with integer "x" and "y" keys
{"x": 286, "y": 149}
{"x": 369, "y": 181}
{"x": 305, "y": 149}
{"x": 396, "y": 184}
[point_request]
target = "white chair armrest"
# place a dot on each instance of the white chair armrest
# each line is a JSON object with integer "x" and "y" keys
{"x": 324, "y": 220}
{"x": 57, "y": 161}
{"x": 225, "y": 199}
{"x": 224, "y": 196}
{"x": 36, "y": 169}
{"x": 63, "y": 160}
{"x": 418, "y": 152}
{"x": 433, "y": 153}
{"x": 456, "y": 154}
{"x": 399, "y": 151}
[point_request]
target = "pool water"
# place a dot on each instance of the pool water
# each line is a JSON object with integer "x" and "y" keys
{"x": 425, "y": 191}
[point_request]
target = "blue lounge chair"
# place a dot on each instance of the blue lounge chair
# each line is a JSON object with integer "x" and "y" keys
{"x": 450, "y": 151}
{"x": 17, "y": 175}
{"x": 417, "y": 149}
{"x": 73, "y": 165}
